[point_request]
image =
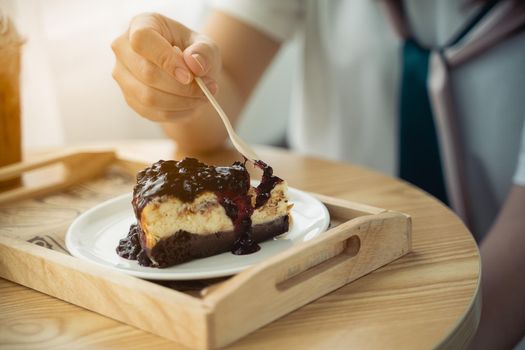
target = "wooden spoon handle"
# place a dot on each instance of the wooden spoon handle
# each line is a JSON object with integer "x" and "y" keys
{"x": 237, "y": 142}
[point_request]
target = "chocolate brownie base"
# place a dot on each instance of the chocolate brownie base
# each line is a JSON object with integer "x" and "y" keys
{"x": 184, "y": 246}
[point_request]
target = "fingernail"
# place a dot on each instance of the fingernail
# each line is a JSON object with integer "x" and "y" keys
{"x": 182, "y": 75}
{"x": 200, "y": 61}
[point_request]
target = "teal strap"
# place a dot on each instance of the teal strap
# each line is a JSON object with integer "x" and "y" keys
{"x": 419, "y": 156}
{"x": 420, "y": 161}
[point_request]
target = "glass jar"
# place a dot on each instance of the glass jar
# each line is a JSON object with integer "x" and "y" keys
{"x": 10, "y": 126}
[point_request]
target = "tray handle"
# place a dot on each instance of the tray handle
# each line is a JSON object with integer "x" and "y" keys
{"x": 76, "y": 166}
{"x": 308, "y": 271}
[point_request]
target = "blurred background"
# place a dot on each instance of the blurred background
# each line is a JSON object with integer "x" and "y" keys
{"x": 69, "y": 96}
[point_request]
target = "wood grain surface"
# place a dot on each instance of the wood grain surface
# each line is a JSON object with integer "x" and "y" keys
{"x": 429, "y": 298}
{"x": 362, "y": 240}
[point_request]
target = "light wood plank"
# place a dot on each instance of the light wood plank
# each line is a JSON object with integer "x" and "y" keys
{"x": 427, "y": 299}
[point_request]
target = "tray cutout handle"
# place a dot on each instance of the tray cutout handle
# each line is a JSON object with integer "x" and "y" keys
{"x": 306, "y": 272}
{"x": 350, "y": 248}
{"x": 53, "y": 173}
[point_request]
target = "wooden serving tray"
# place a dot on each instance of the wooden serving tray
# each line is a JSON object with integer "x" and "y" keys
{"x": 199, "y": 314}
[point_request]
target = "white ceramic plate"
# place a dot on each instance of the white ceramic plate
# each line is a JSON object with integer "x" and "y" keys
{"x": 95, "y": 234}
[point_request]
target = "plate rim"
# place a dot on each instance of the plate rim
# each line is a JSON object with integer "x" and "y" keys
{"x": 157, "y": 274}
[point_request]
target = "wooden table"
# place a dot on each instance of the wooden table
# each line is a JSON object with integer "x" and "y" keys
{"x": 429, "y": 298}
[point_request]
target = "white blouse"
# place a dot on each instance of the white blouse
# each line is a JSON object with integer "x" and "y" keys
{"x": 345, "y": 102}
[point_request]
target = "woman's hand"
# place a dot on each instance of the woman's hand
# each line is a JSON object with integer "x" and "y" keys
{"x": 157, "y": 59}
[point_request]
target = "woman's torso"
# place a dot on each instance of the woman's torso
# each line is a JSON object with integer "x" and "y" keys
{"x": 346, "y": 98}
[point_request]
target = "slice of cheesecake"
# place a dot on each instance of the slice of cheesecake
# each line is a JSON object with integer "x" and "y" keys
{"x": 187, "y": 210}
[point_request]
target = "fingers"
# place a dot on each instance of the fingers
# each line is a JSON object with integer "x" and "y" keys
{"x": 155, "y": 114}
{"x": 155, "y": 76}
{"x": 160, "y": 40}
{"x": 148, "y": 37}
{"x": 150, "y": 74}
{"x": 202, "y": 56}
{"x": 152, "y": 103}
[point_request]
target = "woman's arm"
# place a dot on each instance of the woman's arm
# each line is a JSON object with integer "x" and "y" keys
{"x": 502, "y": 322}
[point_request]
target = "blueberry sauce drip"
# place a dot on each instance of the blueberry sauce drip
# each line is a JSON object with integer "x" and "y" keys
{"x": 130, "y": 248}
{"x": 186, "y": 179}
{"x": 239, "y": 209}
{"x": 267, "y": 184}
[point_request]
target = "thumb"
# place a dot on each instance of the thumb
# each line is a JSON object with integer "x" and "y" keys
{"x": 203, "y": 57}
{"x": 147, "y": 39}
